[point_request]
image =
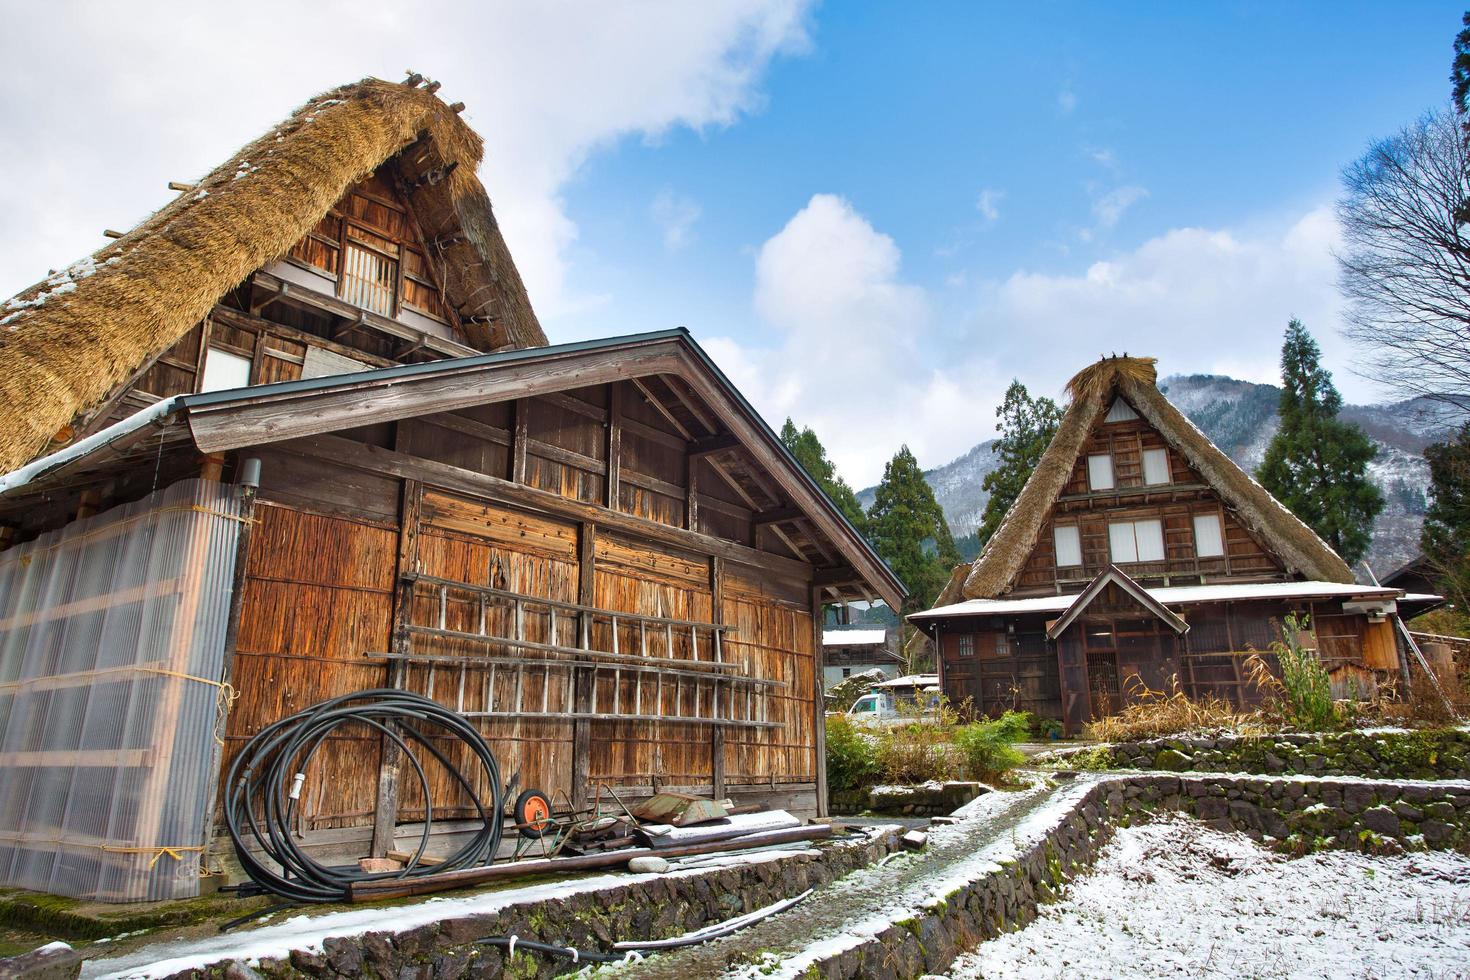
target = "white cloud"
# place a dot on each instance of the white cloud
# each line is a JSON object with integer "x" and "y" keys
{"x": 1066, "y": 100}
{"x": 110, "y": 105}
{"x": 857, "y": 355}
{"x": 1109, "y": 208}
{"x": 1201, "y": 300}
{"x": 988, "y": 203}
{"x": 675, "y": 215}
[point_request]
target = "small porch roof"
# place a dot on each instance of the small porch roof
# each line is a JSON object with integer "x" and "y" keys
{"x": 1113, "y": 575}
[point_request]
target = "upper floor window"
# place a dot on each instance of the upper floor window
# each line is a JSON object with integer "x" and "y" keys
{"x": 1100, "y": 472}
{"x": 1069, "y": 545}
{"x": 370, "y": 274}
{"x": 1135, "y": 541}
{"x": 1121, "y": 411}
{"x": 1209, "y": 542}
{"x": 224, "y": 370}
{"x": 967, "y": 644}
{"x": 1156, "y": 467}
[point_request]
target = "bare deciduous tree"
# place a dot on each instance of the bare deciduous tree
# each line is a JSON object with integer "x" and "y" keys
{"x": 1405, "y": 263}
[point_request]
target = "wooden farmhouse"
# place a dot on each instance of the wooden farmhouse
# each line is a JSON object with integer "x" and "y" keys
{"x": 1139, "y": 554}
{"x": 300, "y": 434}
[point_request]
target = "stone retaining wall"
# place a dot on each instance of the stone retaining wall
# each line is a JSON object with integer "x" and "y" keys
{"x": 1304, "y": 814}
{"x": 645, "y": 909}
{"x": 1426, "y": 754}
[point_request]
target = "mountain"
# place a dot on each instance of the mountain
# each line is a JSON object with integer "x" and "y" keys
{"x": 1240, "y": 418}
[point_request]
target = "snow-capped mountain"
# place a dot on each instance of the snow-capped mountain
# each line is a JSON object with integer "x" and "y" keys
{"x": 1240, "y": 417}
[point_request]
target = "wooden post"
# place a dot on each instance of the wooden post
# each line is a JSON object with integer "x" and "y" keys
{"x": 385, "y": 813}
{"x": 819, "y": 702}
{"x": 691, "y": 496}
{"x": 717, "y": 732}
{"x": 519, "y": 436}
{"x": 88, "y": 504}
{"x": 586, "y": 677}
{"x": 614, "y": 443}
{"x": 212, "y": 467}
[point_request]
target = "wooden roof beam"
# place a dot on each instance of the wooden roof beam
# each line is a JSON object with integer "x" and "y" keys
{"x": 710, "y": 445}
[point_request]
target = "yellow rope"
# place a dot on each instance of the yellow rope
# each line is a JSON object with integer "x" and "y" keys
{"x": 175, "y": 851}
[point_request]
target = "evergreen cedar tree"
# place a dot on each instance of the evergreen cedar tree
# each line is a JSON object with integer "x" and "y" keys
{"x": 908, "y": 530}
{"x": 1316, "y": 464}
{"x": 1026, "y": 426}
{"x": 1446, "y": 534}
{"x": 812, "y": 456}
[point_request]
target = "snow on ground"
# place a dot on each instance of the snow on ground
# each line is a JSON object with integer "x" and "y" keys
{"x": 1177, "y": 898}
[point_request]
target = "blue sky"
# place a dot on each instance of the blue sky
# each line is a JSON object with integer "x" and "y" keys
{"x": 872, "y": 215}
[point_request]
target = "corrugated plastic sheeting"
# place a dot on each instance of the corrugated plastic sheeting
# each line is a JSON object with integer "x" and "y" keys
{"x": 112, "y": 636}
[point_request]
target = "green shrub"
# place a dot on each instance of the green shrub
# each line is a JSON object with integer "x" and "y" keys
{"x": 988, "y": 747}
{"x": 1306, "y": 690}
{"x": 852, "y": 755}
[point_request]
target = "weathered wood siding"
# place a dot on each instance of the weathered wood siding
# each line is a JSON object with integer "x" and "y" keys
{"x": 318, "y": 594}
{"x": 1174, "y": 504}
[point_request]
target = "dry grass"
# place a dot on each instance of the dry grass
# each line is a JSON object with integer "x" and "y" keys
{"x": 68, "y": 341}
{"x": 1158, "y": 714}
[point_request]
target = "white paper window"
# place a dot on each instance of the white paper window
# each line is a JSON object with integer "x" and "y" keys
{"x": 1069, "y": 545}
{"x": 1134, "y": 541}
{"x": 223, "y": 370}
{"x": 1156, "y": 467}
{"x": 967, "y": 644}
{"x": 1150, "y": 536}
{"x": 1121, "y": 411}
{"x": 1209, "y": 542}
{"x": 1100, "y": 472}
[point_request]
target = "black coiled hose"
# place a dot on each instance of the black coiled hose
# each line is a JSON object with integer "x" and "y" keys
{"x": 264, "y": 783}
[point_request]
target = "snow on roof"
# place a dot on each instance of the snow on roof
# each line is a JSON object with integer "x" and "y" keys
{"x": 854, "y": 638}
{"x": 1172, "y": 596}
{"x": 912, "y": 680}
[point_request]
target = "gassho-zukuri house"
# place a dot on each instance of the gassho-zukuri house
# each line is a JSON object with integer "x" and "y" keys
{"x": 300, "y": 434}
{"x": 1138, "y": 553}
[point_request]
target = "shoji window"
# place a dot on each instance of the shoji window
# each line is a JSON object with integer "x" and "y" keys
{"x": 1156, "y": 467}
{"x": 1209, "y": 542}
{"x": 1100, "y": 472}
{"x": 1135, "y": 541}
{"x": 1069, "y": 545}
{"x": 224, "y": 370}
{"x": 967, "y": 644}
{"x": 1120, "y": 411}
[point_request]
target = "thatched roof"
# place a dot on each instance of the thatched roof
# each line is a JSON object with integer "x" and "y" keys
{"x": 1092, "y": 392}
{"x": 68, "y": 341}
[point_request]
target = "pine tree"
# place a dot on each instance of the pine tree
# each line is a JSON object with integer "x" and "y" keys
{"x": 1317, "y": 464}
{"x": 812, "y": 456}
{"x": 1026, "y": 426}
{"x": 1445, "y": 537}
{"x": 908, "y": 529}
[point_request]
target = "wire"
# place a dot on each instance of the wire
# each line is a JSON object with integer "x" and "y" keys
{"x": 265, "y": 783}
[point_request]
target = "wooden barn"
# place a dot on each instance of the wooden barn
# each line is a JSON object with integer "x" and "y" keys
{"x": 299, "y": 434}
{"x": 1138, "y": 554}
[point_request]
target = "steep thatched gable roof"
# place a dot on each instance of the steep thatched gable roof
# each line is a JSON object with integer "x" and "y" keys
{"x": 1092, "y": 392}
{"x": 68, "y": 341}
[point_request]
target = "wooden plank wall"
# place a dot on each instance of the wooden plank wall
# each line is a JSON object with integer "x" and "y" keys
{"x": 318, "y": 593}
{"x": 774, "y": 638}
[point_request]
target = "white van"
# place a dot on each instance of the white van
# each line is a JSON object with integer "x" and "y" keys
{"x": 881, "y": 706}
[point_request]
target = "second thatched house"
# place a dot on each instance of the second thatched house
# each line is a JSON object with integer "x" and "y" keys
{"x": 1139, "y": 554}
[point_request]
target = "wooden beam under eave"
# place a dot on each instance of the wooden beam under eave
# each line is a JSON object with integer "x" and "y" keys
{"x": 713, "y": 444}
{"x": 778, "y": 515}
{"x": 614, "y": 448}
{"x": 276, "y": 416}
{"x": 375, "y": 459}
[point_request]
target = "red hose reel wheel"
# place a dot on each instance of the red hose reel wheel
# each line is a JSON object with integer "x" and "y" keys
{"x": 532, "y": 814}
